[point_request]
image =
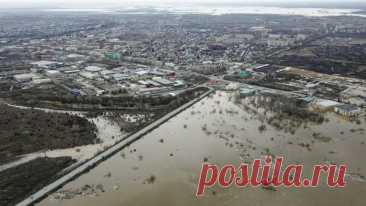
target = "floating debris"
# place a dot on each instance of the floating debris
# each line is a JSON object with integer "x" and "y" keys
{"x": 321, "y": 137}
{"x": 150, "y": 180}
{"x": 269, "y": 188}
{"x": 108, "y": 175}
{"x": 262, "y": 128}
{"x": 123, "y": 155}
{"x": 140, "y": 157}
{"x": 116, "y": 187}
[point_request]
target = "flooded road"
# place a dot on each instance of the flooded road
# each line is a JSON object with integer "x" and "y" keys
{"x": 162, "y": 168}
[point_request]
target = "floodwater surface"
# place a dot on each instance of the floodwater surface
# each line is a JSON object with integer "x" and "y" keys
{"x": 163, "y": 167}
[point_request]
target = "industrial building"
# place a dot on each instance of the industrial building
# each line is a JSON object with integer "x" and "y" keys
{"x": 347, "y": 110}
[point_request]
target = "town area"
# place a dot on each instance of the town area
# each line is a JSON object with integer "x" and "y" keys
{"x": 77, "y": 89}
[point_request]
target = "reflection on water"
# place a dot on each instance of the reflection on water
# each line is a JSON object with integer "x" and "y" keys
{"x": 162, "y": 168}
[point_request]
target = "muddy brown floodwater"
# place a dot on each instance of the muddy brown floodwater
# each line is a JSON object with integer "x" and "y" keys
{"x": 162, "y": 168}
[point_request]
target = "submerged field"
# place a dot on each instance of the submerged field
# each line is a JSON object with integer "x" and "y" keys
{"x": 162, "y": 168}
{"x": 27, "y": 131}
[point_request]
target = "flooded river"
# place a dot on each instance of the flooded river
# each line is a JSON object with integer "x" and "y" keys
{"x": 162, "y": 168}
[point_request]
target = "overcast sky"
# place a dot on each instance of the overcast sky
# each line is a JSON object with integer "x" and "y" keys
{"x": 121, "y": 3}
